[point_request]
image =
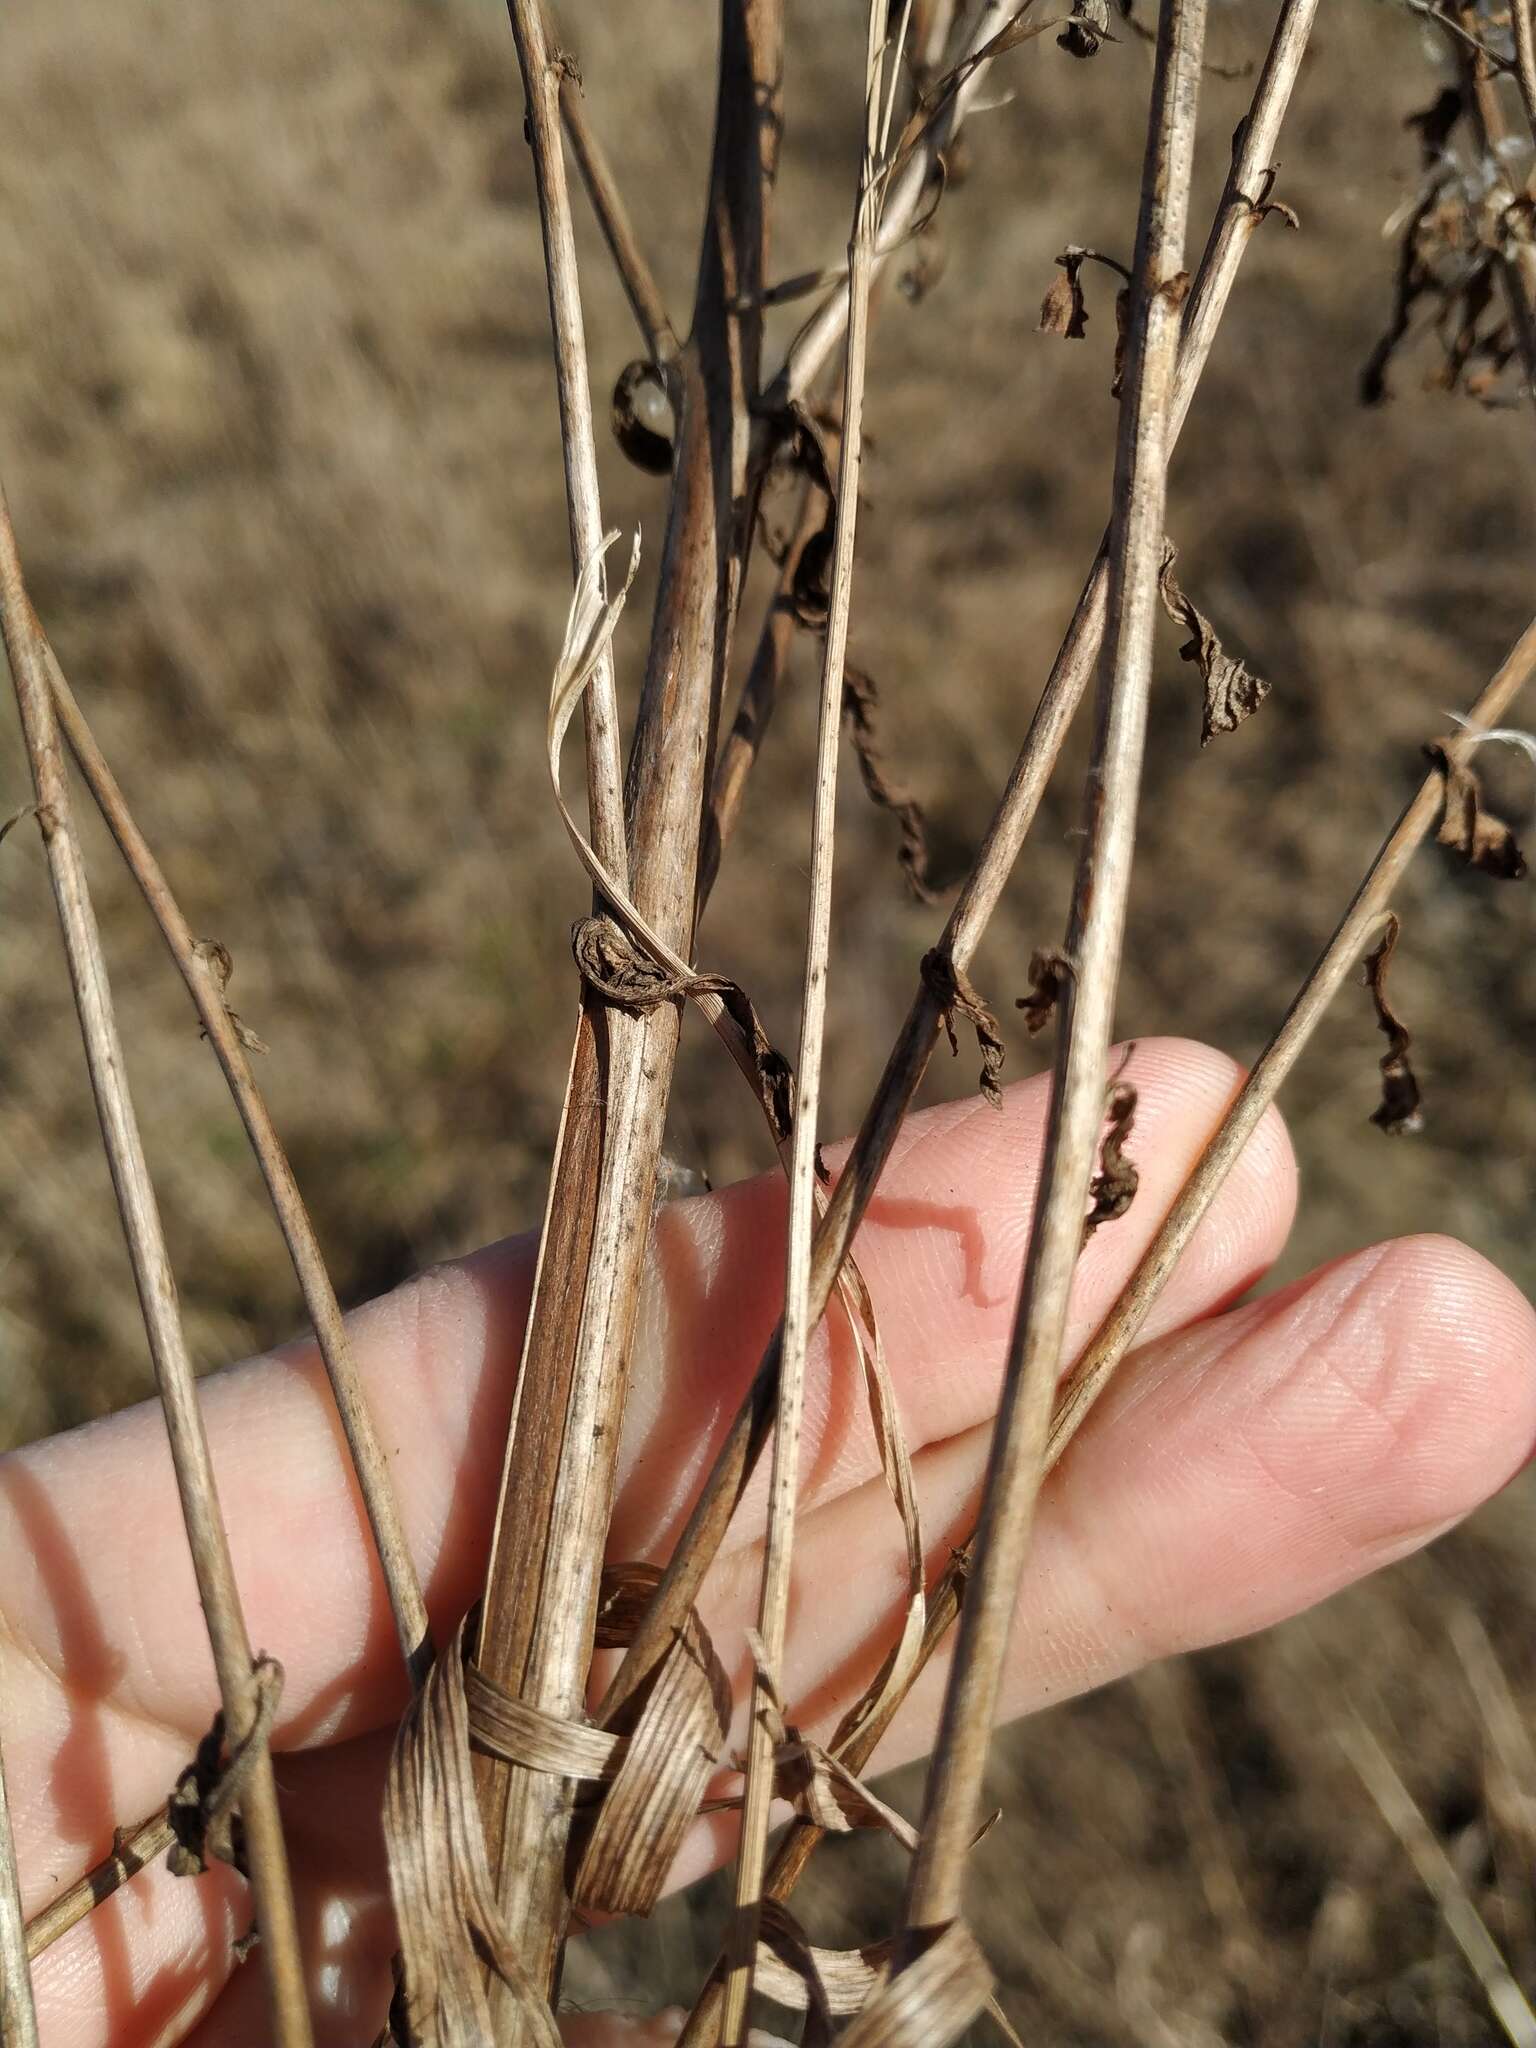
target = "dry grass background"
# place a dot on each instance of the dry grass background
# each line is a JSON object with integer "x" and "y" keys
{"x": 279, "y": 430}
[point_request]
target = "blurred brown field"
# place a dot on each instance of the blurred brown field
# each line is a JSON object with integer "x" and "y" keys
{"x": 278, "y": 428}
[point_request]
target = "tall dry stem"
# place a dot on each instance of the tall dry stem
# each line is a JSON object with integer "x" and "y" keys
{"x": 1239, "y": 215}
{"x": 541, "y": 1593}
{"x": 139, "y": 1210}
{"x": 18, "y": 2015}
{"x": 1085, "y": 1015}
{"x": 799, "y": 1319}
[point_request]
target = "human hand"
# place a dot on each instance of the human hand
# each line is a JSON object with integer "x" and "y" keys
{"x": 1246, "y": 1462}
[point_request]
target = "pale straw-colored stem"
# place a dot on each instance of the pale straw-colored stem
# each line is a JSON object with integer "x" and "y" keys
{"x": 800, "y": 1320}
{"x": 578, "y": 444}
{"x": 145, "y": 1236}
{"x": 1237, "y": 219}
{"x": 1085, "y": 1013}
{"x": 204, "y": 986}
{"x": 131, "y": 1853}
{"x": 18, "y": 2015}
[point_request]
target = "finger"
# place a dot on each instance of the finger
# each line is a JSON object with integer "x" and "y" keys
{"x": 97, "y": 1582}
{"x": 96, "y": 1578}
{"x": 1233, "y": 1474}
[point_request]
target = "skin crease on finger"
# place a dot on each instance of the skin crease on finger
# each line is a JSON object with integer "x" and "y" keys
{"x": 1456, "y": 1462}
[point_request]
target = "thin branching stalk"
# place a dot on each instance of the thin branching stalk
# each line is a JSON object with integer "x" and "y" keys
{"x": 1237, "y": 219}
{"x": 541, "y": 1592}
{"x": 1117, "y": 1332}
{"x": 1523, "y": 16}
{"x": 618, "y": 231}
{"x": 1085, "y": 1013}
{"x": 813, "y": 345}
{"x": 542, "y": 74}
{"x": 131, "y": 1853}
{"x": 203, "y": 969}
{"x": 1511, "y": 246}
{"x": 18, "y": 2015}
{"x": 156, "y": 1285}
{"x": 739, "y": 749}
{"x": 1359, "y": 924}
{"x": 799, "y": 1321}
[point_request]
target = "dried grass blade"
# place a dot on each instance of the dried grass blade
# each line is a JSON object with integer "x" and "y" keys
{"x": 209, "y": 1544}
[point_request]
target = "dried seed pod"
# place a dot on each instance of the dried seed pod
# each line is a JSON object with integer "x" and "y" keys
{"x": 642, "y": 417}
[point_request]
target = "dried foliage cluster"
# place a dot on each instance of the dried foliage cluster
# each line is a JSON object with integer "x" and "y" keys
{"x": 515, "y": 1799}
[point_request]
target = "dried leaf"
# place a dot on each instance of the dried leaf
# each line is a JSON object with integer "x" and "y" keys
{"x": 674, "y": 1749}
{"x": 798, "y": 1968}
{"x": 861, "y": 701}
{"x": 450, "y": 1924}
{"x": 787, "y": 1971}
{"x": 642, "y": 418}
{"x": 933, "y": 2000}
{"x": 1064, "y": 310}
{"x": 1049, "y": 972}
{"x": 1483, "y": 841}
{"x": 1399, "y": 1109}
{"x": 1232, "y": 691}
{"x": 1087, "y": 29}
{"x": 952, "y": 991}
{"x": 204, "y": 1806}
{"x": 1113, "y": 1188}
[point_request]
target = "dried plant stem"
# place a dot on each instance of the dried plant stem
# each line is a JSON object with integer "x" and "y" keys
{"x": 1359, "y": 924}
{"x": 759, "y": 695}
{"x": 541, "y": 1593}
{"x": 199, "y": 971}
{"x": 18, "y": 2016}
{"x": 799, "y": 1319}
{"x": 131, "y": 1853}
{"x": 542, "y": 75}
{"x": 1086, "y": 1009}
{"x": 1118, "y": 1331}
{"x": 142, "y": 1228}
{"x": 1523, "y": 17}
{"x": 1511, "y": 246}
{"x": 635, "y": 275}
{"x": 813, "y": 345}
{"x": 1440, "y": 1878}
{"x": 1237, "y": 219}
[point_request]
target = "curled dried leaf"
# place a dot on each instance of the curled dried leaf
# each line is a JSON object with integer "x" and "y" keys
{"x": 1113, "y": 1188}
{"x": 797, "y": 1968}
{"x": 1398, "y": 1112}
{"x": 451, "y": 1927}
{"x": 1483, "y": 841}
{"x": 642, "y": 418}
{"x": 204, "y": 1807}
{"x": 674, "y": 1749}
{"x": 1064, "y": 310}
{"x": 1122, "y": 339}
{"x": 955, "y": 995}
{"x": 790, "y": 1972}
{"x": 1086, "y": 29}
{"x": 1232, "y": 691}
{"x": 861, "y": 701}
{"x": 932, "y": 2001}
{"x": 1049, "y": 972}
